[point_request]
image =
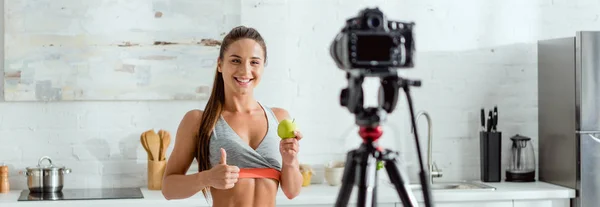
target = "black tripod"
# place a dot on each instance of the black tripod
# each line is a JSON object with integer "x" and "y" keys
{"x": 360, "y": 168}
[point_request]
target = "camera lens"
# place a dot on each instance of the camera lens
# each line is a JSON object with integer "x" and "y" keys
{"x": 374, "y": 21}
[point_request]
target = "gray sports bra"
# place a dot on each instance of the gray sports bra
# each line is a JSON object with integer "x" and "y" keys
{"x": 252, "y": 163}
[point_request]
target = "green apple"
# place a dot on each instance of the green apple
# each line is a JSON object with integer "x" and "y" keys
{"x": 286, "y": 129}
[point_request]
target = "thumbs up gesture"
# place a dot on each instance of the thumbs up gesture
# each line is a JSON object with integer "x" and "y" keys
{"x": 223, "y": 176}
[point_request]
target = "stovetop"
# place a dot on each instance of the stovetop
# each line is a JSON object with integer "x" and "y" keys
{"x": 84, "y": 194}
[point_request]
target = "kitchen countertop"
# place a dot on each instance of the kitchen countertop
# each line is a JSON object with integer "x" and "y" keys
{"x": 326, "y": 195}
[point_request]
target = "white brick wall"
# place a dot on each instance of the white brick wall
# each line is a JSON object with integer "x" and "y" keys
{"x": 471, "y": 54}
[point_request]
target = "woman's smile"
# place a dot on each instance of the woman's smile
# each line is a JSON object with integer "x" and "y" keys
{"x": 243, "y": 81}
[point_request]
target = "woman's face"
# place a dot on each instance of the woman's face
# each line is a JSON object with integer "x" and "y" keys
{"x": 242, "y": 66}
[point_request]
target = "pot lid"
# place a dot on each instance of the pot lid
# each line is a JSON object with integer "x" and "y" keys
{"x": 518, "y": 137}
{"x": 42, "y": 166}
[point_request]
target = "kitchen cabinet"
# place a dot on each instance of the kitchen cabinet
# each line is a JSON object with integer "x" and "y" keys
{"x": 503, "y": 203}
{"x": 470, "y": 204}
{"x": 349, "y": 205}
{"x": 542, "y": 203}
{"x": 510, "y": 203}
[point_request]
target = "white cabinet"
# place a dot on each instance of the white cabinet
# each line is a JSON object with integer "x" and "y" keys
{"x": 542, "y": 203}
{"x": 470, "y": 204}
{"x": 509, "y": 203}
{"x": 349, "y": 205}
{"x": 476, "y": 204}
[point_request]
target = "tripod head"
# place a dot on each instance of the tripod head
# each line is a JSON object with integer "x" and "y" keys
{"x": 370, "y": 118}
{"x": 352, "y": 97}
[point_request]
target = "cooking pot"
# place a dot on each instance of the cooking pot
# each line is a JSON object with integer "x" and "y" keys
{"x": 45, "y": 196}
{"x": 46, "y": 178}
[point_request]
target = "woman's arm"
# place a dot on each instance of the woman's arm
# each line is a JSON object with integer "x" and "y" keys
{"x": 291, "y": 177}
{"x": 176, "y": 184}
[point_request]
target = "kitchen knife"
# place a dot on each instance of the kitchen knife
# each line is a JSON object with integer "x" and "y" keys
{"x": 482, "y": 119}
{"x": 490, "y": 122}
{"x": 495, "y": 118}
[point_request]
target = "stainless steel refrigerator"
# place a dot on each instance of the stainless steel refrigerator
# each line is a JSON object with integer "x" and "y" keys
{"x": 569, "y": 114}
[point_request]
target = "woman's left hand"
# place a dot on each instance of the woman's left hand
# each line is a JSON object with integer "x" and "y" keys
{"x": 289, "y": 148}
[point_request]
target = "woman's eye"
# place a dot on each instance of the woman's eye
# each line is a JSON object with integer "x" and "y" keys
{"x": 235, "y": 61}
{"x": 255, "y": 62}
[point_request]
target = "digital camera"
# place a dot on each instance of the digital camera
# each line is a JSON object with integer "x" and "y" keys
{"x": 370, "y": 41}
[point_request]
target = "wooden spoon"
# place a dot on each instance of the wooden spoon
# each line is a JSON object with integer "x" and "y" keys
{"x": 165, "y": 141}
{"x": 161, "y": 153}
{"x": 145, "y": 145}
{"x": 153, "y": 141}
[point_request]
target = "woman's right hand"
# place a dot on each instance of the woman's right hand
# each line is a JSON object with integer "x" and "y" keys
{"x": 223, "y": 176}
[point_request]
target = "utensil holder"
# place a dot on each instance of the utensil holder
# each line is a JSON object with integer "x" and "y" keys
{"x": 490, "y": 145}
{"x": 156, "y": 170}
{"x": 4, "y": 183}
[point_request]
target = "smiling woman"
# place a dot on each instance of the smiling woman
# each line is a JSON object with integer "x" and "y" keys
{"x": 241, "y": 160}
{"x": 238, "y": 79}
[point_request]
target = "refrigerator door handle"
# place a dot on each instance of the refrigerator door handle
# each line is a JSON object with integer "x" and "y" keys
{"x": 594, "y": 135}
{"x": 588, "y": 132}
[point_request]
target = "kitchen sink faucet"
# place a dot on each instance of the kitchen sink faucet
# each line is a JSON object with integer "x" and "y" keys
{"x": 432, "y": 167}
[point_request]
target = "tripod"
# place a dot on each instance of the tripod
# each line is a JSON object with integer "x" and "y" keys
{"x": 360, "y": 168}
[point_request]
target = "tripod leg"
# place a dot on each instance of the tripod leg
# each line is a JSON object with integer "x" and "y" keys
{"x": 367, "y": 177}
{"x": 396, "y": 177}
{"x": 347, "y": 180}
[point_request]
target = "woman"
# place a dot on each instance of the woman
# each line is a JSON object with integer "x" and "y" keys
{"x": 241, "y": 159}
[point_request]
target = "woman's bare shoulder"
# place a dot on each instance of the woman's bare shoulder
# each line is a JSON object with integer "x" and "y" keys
{"x": 191, "y": 119}
{"x": 193, "y": 115}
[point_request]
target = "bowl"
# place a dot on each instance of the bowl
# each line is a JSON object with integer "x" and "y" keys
{"x": 334, "y": 171}
{"x": 318, "y": 176}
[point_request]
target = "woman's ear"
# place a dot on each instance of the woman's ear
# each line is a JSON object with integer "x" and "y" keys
{"x": 219, "y": 65}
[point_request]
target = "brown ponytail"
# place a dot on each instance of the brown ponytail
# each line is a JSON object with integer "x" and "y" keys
{"x": 213, "y": 108}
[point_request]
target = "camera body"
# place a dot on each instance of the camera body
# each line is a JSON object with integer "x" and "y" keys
{"x": 369, "y": 45}
{"x": 370, "y": 41}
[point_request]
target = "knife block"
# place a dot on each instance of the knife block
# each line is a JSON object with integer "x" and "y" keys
{"x": 490, "y": 145}
{"x": 156, "y": 170}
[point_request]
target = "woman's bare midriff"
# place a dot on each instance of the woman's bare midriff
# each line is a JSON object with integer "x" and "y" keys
{"x": 247, "y": 192}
